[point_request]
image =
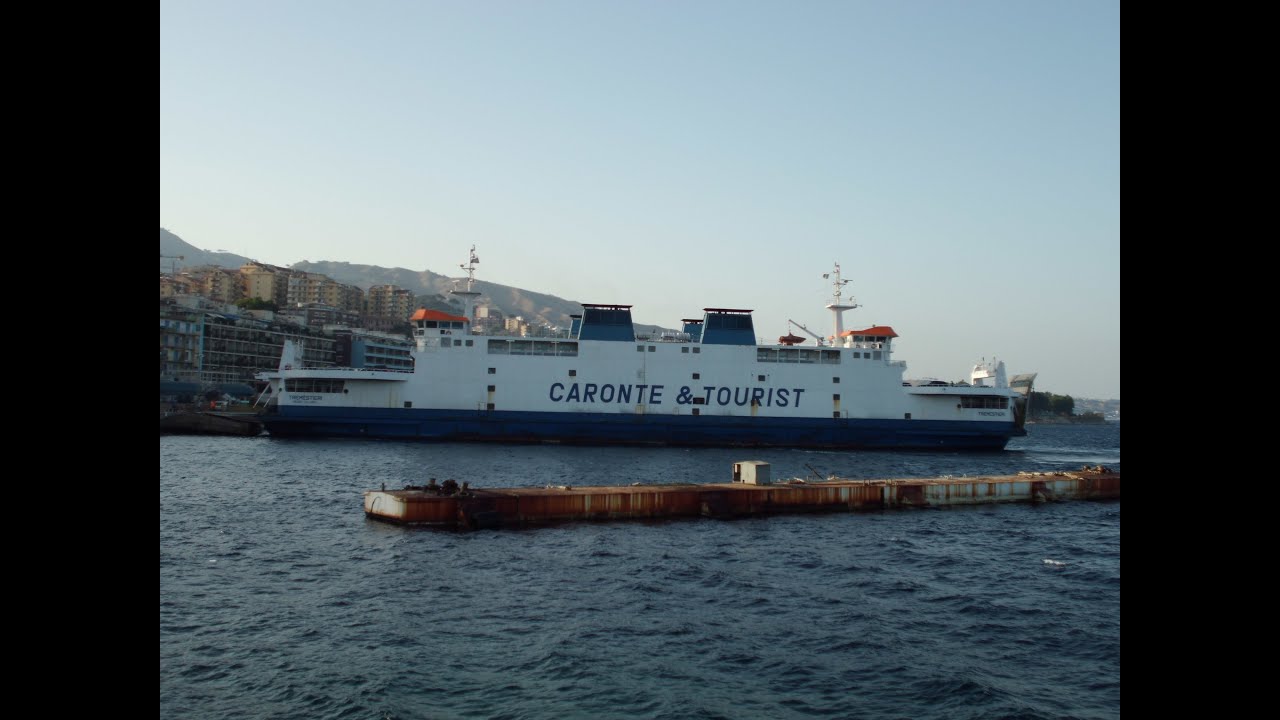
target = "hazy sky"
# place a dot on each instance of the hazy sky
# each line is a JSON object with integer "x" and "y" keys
{"x": 960, "y": 160}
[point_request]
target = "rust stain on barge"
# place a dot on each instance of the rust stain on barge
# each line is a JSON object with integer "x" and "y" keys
{"x": 521, "y": 507}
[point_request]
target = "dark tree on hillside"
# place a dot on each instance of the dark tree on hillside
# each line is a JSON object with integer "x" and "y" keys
{"x": 257, "y": 304}
{"x": 1063, "y": 405}
{"x": 435, "y": 302}
{"x": 1043, "y": 403}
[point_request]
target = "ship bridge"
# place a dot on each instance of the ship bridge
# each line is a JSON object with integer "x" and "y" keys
{"x": 433, "y": 328}
{"x": 878, "y": 339}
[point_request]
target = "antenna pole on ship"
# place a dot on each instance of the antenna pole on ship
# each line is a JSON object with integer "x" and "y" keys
{"x": 470, "y": 267}
{"x": 469, "y": 297}
{"x": 836, "y": 307}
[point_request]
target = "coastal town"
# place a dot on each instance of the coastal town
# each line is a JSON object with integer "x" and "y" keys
{"x": 220, "y": 327}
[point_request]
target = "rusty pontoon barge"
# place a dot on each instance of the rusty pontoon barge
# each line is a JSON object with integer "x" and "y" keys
{"x": 751, "y": 493}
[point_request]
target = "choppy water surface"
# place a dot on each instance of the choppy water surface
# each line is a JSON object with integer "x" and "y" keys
{"x": 279, "y": 599}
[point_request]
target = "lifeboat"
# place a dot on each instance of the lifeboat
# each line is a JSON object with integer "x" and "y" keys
{"x": 790, "y": 339}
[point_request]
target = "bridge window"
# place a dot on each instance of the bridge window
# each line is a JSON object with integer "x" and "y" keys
{"x": 313, "y": 385}
{"x": 986, "y": 402}
{"x": 531, "y": 347}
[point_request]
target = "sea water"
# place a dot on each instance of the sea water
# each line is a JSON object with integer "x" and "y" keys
{"x": 279, "y": 599}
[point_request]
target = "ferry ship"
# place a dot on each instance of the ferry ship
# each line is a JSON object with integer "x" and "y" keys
{"x": 709, "y": 384}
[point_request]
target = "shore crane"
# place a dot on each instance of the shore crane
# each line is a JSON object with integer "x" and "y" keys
{"x": 173, "y": 265}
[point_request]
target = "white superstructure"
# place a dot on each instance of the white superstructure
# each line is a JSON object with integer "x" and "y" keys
{"x": 708, "y": 384}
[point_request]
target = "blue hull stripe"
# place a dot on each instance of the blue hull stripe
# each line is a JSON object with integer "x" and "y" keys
{"x": 615, "y": 429}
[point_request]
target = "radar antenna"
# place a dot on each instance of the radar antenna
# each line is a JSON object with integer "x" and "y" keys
{"x": 468, "y": 296}
{"x": 470, "y": 267}
{"x": 836, "y": 307}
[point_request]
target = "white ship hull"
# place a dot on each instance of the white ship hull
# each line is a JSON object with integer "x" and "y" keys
{"x": 604, "y": 385}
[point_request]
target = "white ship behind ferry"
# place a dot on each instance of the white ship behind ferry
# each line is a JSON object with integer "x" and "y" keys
{"x": 709, "y": 385}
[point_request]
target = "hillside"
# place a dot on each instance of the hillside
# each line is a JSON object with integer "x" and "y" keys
{"x": 173, "y": 246}
{"x": 533, "y": 306}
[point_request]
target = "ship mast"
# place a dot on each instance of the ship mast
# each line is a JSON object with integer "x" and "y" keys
{"x": 468, "y": 296}
{"x": 836, "y": 307}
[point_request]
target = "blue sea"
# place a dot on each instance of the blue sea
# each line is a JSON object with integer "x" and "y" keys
{"x": 279, "y": 599}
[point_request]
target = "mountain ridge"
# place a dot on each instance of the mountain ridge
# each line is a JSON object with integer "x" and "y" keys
{"x": 511, "y": 301}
